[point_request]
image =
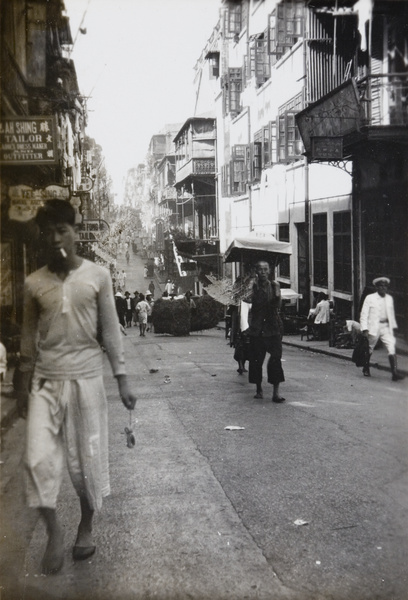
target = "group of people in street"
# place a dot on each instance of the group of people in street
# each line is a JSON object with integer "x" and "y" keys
{"x": 135, "y": 310}
{"x": 69, "y": 312}
{"x": 263, "y": 332}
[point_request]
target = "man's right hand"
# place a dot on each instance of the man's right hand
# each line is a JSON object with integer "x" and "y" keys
{"x": 365, "y": 333}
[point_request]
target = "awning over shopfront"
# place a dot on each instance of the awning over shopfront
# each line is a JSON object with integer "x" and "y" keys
{"x": 255, "y": 246}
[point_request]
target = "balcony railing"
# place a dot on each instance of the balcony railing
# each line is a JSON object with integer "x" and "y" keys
{"x": 384, "y": 98}
{"x": 195, "y": 166}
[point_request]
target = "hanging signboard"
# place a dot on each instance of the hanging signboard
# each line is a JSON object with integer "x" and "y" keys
{"x": 336, "y": 114}
{"x": 327, "y": 148}
{"x": 91, "y": 229}
{"x": 25, "y": 200}
{"x": 86, "y": 184}
{"x": 28, "y": 140}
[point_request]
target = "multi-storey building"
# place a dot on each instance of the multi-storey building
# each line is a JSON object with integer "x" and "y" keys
{"x": 42, "y": 132}
{"x": 195, "y": 148}
{"x": 311, "y": 119}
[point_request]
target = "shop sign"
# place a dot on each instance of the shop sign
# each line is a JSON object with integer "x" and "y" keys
{"x": 28, "y": 140}
{"x": 91, "y": 230}
{"x": 86, "y": 185}
{"x": 25, "y": 200}
{"x": 336, "y": 114}
{"x": 327, "y": 148}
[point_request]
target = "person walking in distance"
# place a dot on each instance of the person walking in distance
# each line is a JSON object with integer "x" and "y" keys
{"x": 322, "y": 317}
{"x": 150, "y": 302}
{"x": 120, "y": 304}
{"x": 122, "y": 280}
{"x": 378, "y": 322}
{"x": 152, "y": 287}
{"x": 169, "y": 287}
{"x": 143, "y": 310}
{"x": 66, "y": 302}
{"x": 265, "y": 332}
{"x": 129, "y": 309}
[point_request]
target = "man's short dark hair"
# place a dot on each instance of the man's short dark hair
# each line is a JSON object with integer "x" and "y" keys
{"x": 55, "y": 211}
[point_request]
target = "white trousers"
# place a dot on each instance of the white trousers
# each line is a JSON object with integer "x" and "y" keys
{"x": 385, "y": 335}
{"x": 67, "y": 418}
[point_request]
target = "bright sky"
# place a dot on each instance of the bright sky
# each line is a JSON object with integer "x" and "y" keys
{"x": 136, "y": 61}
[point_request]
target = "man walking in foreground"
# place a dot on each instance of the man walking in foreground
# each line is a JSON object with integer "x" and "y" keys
{"x": 377, "y": 321}
{"x": 265, "y": 332}
{"x": 65, "y": 304}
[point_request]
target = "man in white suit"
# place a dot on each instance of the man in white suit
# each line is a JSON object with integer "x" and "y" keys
{"x": 377, "y": 320}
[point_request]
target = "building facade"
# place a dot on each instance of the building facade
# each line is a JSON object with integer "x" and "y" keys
{"x": 43, "y": 119}
{"x": 311, "y": 120}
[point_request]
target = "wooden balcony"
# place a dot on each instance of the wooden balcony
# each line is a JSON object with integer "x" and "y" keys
{"x": 195, "y": 167}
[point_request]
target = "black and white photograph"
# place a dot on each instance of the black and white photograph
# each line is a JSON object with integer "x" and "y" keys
{"x": 204, "y": 324}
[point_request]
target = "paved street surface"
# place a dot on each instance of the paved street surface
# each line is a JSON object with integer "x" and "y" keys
{"x": 200, "y": 512}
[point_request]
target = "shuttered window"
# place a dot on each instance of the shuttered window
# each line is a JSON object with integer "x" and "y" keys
{"x": 257, "y": 157}
{"x": 286, "y": 26}
{"x": 232, "y": 88}
{"x": 258, "y": 63}
{"x": 290, "y": 146}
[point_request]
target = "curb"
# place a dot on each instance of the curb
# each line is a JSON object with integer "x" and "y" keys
{"x": 341, "y": 356}
{"x": 334, "y": 354}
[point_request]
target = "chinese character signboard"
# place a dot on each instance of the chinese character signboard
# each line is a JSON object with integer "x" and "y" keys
{"x": 327, "y": 148}
{"x": 28, "y": 141}
{"x": 25, "y": 200}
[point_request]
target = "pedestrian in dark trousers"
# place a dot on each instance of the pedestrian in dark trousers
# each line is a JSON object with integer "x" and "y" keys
{"x": 129, "y": 309}
{"x": 265, "y": 332}
{"x": 61, "y": 381}
{"x": 120, "y": 308}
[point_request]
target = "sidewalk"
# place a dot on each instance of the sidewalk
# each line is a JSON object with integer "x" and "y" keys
{"x": 379, "y": 358}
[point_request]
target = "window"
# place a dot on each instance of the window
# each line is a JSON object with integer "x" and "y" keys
{"x": 239, "y": 177}
{"x": 274, "y": 143}
{"x": 290, "y": 146}
{"x": 320, "y": 249}
{"x": 214, "y": 62}
{"x": 257, "y": 157}
{"x": 342, "y": 251}
{"x": 284, "y": 261}
{"x": 258, "y": 63}
{"x": 286, "y": 26}
{"x": 266, "y": 146}
{"x": 234, "y": 16}
{"x": 290, "y": 143}
{"x": 232, "y": 87}
{"x": 238, "y": 170}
